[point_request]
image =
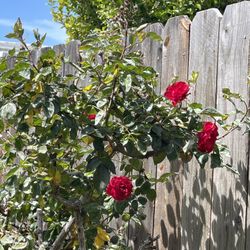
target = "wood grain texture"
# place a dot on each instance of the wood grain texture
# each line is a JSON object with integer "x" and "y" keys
{"x": 60, "y": 50}
{"x": 247, "y": 228}
{"x": 197, "y": 182}
{"x": 167, "y": 221}
{"x": 152, "y": 56}
{"x": 229, "y": 198}
{"x": 72, "y": 53}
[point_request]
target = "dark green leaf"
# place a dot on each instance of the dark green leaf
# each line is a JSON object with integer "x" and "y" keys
{"x": 151, "y": 194}
{"x": 159, "y": 157}
{"x": 142, "y": 200}
{"x": 101, "y": 178}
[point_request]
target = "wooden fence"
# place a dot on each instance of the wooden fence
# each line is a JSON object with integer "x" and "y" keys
{"x": 199, "y": 208}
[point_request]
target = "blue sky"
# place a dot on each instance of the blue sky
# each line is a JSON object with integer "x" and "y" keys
{"x": 34, "y": 14}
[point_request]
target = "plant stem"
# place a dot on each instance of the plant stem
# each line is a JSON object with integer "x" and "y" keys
{"x": 39, "y": 214}
{"x": 61, "y": 237}
{"x": 80, "y": 230}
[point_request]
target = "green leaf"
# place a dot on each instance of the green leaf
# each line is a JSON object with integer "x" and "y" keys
{"x": 216, "y": 161}
{"x": 134, "y": 205}
{"x": 99, "y": 116}
{"x": 42, "y": 150}
{"x": 1, "y": 126}
{"x": 11, "y": 172}
{"x": 202, "y": 159}
{"x": 159, "y": 157}
{"x": 126, "y": 217}
{"x": 6, "y": 240}
{"x": 120, "y": 206}
{"x": 154, "y": 36}
{"x": 194, "y": 77}
{"x": 139, "y": 180}
{"x": 18, "y": 28}
{"x": 12, "y": 52}
{"x": 212, "y": 112}
{"x": 20, "y": 246}
{"x": 93, "y": 164}
{"x": 8, "y": 111}
{"x": 165, "y": 177}
{"x": 146, "y": 186}
{"x": 142, "y": 200}
{"x": 25, "y": 74}
{"x": 151, "y": 194}
{"x": 136, "y": 164}
{"x": 11, "y": 36}
{"x": 49, "y": 109}
{"x": 101, "y": 178}
{"x": 127, "y": 83}
{"x": 98, "y": 144}
{"x": 228, "y": 94}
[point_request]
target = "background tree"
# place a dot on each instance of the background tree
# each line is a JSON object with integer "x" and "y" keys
{"x": 81, "y": 17}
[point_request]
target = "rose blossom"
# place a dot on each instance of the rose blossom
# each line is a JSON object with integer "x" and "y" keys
{"x": 120, "y": 188}
{"x": 177, "y": 92}
{"x": 91, "y": 117}
{"x": 207, "y": 137}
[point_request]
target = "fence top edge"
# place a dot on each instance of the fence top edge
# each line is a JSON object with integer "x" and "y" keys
{"x": 212, "y": 11}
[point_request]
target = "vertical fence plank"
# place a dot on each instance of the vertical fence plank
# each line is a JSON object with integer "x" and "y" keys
{"x": 60, "y": 50}
{"x": 229, "y": 190}
{"x": 248, "y": 181}
{"x": 169, "y": 196}
{"x": 152, "y": 56}
{"x": 72, "y": 53}
{"x": 197, "y": 182}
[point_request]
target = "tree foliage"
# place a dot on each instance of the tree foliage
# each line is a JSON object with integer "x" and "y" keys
{"x": 81, "y": 17}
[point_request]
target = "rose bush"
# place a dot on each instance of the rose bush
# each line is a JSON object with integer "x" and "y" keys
{"x": 62, "y": 143}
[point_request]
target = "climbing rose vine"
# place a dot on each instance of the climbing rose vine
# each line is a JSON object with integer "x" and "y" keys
{"x": 73, "y": 147}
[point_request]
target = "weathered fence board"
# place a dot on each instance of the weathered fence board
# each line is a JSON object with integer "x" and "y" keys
{"x": 60, "y": 50}
{"x": 152, "y": 56}
{"x": 197, "y": 182}
{"x": 229, "y": 198}
{"x": 169, "y": 196}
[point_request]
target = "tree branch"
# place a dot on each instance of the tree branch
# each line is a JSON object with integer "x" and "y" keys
{"x": 80, "y": 230}
{"x": 39, "y": 216}
{"x": 61, "y": 237}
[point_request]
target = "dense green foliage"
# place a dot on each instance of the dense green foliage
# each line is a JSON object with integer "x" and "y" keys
{"x": 81, "y": 17}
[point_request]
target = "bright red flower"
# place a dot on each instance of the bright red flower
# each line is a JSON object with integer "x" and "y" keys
{"x": 207, "y": 137}
{"x": 120, "y": 188}
{"x": 211, "y": 128}
{"x": 177, "y": 92}
{"x": 91, "y": 117}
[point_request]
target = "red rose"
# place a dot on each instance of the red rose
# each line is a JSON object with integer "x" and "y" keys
{"x": 91, "y": 117}
{"x": 120, "y": 188}
{"x": 211, "y": 128}
{"x": 207, "y": 137}
{"x": 177, "y": 92}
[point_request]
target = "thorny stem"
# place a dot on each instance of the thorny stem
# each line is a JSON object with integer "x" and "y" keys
{"x": 236, "y": 126}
